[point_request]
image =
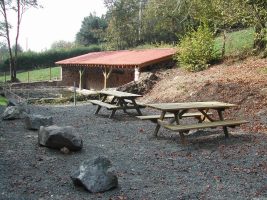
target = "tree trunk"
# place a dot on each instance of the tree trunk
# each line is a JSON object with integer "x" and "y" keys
{"x": 224, "y": 43}
{"x": 19, "y": 17}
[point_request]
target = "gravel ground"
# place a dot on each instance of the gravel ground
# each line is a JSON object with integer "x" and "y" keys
{"x": 209, "y": 167}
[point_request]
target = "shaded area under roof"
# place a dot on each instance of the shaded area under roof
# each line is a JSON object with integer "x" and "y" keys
{"x": 124, "y": 58}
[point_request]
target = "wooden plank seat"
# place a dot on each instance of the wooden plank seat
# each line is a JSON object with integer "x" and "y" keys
{"x": 182, "y": 128}
{"x": 141, "y": 105}
{"x": 104, "y": 104}
{"x": 154, "y": 118}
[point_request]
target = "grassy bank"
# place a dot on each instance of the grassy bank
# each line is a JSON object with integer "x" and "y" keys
{"x": 236, "y": 42}
{"x": 36, "y": 75}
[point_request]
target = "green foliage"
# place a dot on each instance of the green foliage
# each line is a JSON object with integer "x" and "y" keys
{"x": 3, "y": 101}
{"x": 61, "y": 44}
{"x": 133, "y": 23}
{"x": 37, "y": 75}
{"x": 123, "y": 24}
{"x": 155, "y": 45}
{"x": 30, "y": 60}
{"x": 92, "y": 30}
{"x": 164, "y": 20}
{"x": 196, "y": 49}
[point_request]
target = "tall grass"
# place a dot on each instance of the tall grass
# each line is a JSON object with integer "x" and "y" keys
{"x": 3, "y": 101}
{"x": 236, "y": 42}
{"x": 36, "y": 75}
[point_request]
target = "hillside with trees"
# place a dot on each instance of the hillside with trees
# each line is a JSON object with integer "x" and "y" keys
{"x": 154, "y": 23}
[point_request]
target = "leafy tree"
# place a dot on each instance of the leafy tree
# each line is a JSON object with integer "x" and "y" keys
{"x": 124, "y": 23}
{"x": 19, "y": 7}
{"x": 61, "y": 44}
{"x": 196, "y": 49}
{"x": 257, "y": 14}
{"x": 3, "y": 51}
{"x": 92, "y": 30}
{"x": 164, "y": 20}
{"x": 226, "y": 14}
{"x": 19, "y": 48}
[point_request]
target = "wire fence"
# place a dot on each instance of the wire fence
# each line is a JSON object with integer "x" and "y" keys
{"x": 46, "y": 74}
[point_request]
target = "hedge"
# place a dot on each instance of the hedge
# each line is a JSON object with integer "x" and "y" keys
{"x": 31, "y": 60}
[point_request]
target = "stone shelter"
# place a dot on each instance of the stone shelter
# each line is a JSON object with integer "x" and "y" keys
{"x": 107, "y": 69}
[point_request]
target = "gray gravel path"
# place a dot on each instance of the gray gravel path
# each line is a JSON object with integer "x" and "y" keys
{"x": 209, "y": 167}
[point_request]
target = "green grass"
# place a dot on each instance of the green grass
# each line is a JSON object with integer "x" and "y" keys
{"x": 36, "y": 75}
{"x": 264, "y": 70}
{"x": 236, "y": 42}
{"x": 3, "y": 101}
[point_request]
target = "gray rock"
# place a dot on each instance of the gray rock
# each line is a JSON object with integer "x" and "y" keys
{"x": 13, "y": 112}
{"x": 35, "y": 121}
{"x": 58, "y": 137}
{"x": 19, "y": 111}
{"x": 95, "y": 175}
{"x": 2, "y": 109}
{"x": 11, "y": 102}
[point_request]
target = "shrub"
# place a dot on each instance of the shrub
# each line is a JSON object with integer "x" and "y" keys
{"x": 196, "y": 49}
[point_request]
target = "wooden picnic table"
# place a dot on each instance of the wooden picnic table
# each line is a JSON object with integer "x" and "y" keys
{"x": 181, "y": 109}
{"x": 120, "y": 100}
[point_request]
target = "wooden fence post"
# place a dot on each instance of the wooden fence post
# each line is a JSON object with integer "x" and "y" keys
{"x": 5, "y": 76}
{"x": 50, "y": 73}
{"x": 28, "y": 76}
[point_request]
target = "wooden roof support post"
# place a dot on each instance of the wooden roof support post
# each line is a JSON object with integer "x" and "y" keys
{"x": 106, "y": 74}
{"x": 81, "y": 71}
{"x": 136, "y": 73}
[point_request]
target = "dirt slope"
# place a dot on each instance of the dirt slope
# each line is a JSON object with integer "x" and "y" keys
{"x": 242, "y": 83}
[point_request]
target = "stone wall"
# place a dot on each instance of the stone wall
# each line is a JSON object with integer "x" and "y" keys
{"x": 37, "y": 84}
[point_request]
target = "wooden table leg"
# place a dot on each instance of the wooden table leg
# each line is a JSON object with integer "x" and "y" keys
{"x": 112, "y": 113}
{"x": 122, "y": 103}
{"x": 99, "y": 107}
{"x": 114, "y": 110}
{"x": 97, "y": 110}
{"x": 220, "y": 113}
{"x": 158, "y": 125}
{"x": 205, "y": 115}
{"x": 181, "y": 133}
{"x": 136, "y": 107}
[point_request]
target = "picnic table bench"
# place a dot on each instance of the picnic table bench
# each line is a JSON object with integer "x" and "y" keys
{"x": 155, "y": 118}
{"x": 120, "y": 101}
{"x": 179, "y": 110}
{"x": 104, "y": 104}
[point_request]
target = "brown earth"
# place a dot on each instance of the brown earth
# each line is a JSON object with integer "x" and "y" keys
{"x": 243, "y": 83}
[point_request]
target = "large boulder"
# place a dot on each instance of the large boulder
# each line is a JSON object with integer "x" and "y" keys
{"x": 144, "y": 84}
{"x": 15, "y": 112}
{"x": 58, "y": 137}
{"x": 34, "y": 122}
{"x": 95, "y": 175}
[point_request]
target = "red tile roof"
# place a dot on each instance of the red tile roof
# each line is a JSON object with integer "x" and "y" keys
{"x": 124, "y": 58}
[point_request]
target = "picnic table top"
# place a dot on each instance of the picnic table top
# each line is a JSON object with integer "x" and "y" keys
{"x": 190, "y": 105}
{"x": 119, "y": 94}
